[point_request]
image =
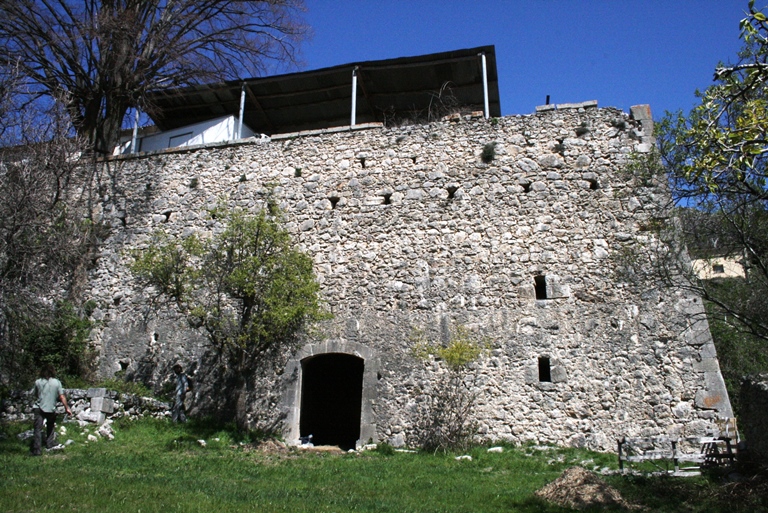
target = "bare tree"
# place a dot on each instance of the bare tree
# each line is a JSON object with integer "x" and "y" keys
{"x": 102, "y": 56}
{"x": 46, "y": 238}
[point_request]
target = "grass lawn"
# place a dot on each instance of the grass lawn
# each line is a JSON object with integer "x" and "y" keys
{"x": 155, "y": 466}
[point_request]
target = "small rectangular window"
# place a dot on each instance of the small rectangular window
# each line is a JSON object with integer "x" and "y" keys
{"x": 179, "y": 140}
{"x": 718, "y": 268}
{"x": 545, "y": 370}
{"x": 540, "y": 284}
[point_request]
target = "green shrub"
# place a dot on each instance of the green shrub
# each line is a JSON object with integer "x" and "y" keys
{"x": 488, "y": 153}
{"x": 385, "y": 449}
{"x": 446, "y": 419}
{"x": 126, "y": 387}
{"x": 55, "y": 335}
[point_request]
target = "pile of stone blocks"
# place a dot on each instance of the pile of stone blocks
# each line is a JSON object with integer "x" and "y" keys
{"x": 102, "y": 405}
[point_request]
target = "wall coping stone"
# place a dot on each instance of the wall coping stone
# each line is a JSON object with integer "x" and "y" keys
{"x": 565, "y": 106}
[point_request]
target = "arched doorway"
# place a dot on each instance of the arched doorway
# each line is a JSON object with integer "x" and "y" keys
{"x": 331, "y": 397}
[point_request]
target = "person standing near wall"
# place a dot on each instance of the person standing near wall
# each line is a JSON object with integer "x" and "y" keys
{"x": 47, "y": 390}
{"x": 178, "y": 414}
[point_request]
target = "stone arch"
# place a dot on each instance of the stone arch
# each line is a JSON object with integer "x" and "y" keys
{"x": 312, "y": 357}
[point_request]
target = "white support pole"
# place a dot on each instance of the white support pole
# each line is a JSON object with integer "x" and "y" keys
{"x": 485, "y": 87}
{"x": 135, "y": 136}
{"x": 242, "y": 110}
{"x": 354, "y": 96}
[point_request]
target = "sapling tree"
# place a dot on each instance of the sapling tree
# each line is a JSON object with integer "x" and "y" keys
{"x": 248, "y": 288}
{"x": 446, "y": 417}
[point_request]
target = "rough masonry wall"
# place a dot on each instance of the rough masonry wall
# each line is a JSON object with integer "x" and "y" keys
{"x": 410, "y": 229}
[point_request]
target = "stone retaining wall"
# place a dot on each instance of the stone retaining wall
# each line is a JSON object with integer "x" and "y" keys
{"x": 93, "y": 405}
{"x": 424, "y": 228}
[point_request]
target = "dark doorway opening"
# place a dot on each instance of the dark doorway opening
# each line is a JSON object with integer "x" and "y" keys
{"x": 331, "y": 398}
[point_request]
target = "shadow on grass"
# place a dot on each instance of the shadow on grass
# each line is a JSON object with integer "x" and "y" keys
{"x": 709, "y": 493}
{"x": 536, "y": 505}
{"x": 9, "y": 437}
{"x": 178, "y": 436}
{"x": 196, "y": 432}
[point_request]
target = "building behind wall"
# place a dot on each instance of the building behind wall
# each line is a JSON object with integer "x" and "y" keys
{"x": 413, "y": 228}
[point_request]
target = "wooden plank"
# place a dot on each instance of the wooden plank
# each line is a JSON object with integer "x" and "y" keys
{"x": 683, "y": 473}
{"x": 649, "y": 440}
{"x": 647, "y": 457}
{"x": 692, "y": 458}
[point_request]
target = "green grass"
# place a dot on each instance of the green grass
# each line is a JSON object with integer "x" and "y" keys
{"x": 157, "y": 466}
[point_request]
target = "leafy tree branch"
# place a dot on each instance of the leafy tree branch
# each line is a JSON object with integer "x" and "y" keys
{"x": 716, "y": 158}
{"x": 248, "y": 288}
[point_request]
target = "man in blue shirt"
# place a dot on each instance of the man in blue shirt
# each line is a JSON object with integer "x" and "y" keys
{"x": 48, "y": 390}
{"x": 182, "y": 387}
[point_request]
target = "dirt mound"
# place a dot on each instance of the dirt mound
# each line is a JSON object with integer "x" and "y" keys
{"x": 331, "y": 449}
{"x": 580, "y": 489}
{"x": 273, "y": 446}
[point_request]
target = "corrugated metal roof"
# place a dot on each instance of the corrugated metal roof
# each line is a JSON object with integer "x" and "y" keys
{"x": 392, "y": 90}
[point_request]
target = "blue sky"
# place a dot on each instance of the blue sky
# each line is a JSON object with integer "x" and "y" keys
{"x": 619, "y": 52}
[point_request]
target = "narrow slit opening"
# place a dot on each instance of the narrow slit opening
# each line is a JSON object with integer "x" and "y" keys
{"x": 545, "y": 369}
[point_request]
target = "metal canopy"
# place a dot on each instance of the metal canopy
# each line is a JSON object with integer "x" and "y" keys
{"x": 391, "y": 90}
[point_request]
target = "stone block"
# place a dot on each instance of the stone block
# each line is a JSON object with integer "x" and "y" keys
{"x": 558, "y": 374}
{"x": 708, "y": 351}
{"x": 707, "y": 365}
{"x": 102, "y": 404}
{"x": 644, "y": 147}
{"x": 580, "y": 105}
{"x": 96, "y": 392}
{"x": 556, "y": 289}
{"x": 640, "y": 112}
{"x": 709, "y": 399}
{"x": 92, "y": 416}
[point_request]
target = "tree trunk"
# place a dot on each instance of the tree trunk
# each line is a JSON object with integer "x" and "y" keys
{"x": 241, "y": 408}
{"x": 241, "y": 392}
